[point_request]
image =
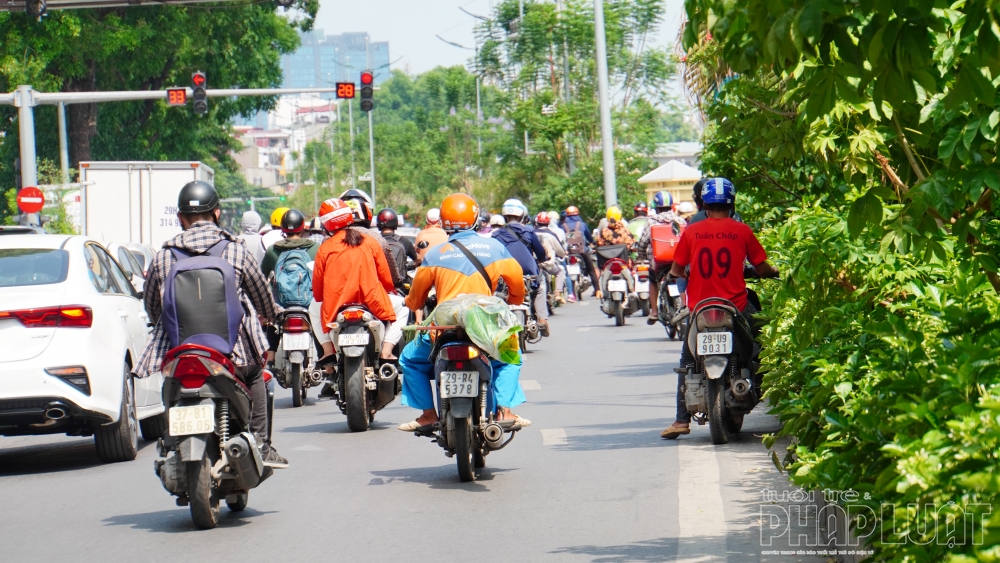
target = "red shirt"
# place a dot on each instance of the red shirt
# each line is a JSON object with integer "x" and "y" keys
{"x": 716, "y": 250}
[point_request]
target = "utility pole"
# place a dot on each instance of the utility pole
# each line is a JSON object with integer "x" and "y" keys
{"x": 565, "y": 61}
{"x": 63, "y": 143}
{"x": 24, "y": 99}
{"x": 607, "y": 143}
{"x": 371, "y": 155}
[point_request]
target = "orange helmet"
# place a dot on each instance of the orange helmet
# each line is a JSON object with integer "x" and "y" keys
{"x": 459, "y": 212}
{"x": 334, "y": 214}
{"x": 572, "y": 211}
{"x": 542, "y": 218}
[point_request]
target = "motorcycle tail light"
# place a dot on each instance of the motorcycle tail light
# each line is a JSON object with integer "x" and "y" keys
{"x": 573, "y": 260}
{"x": 71, "y": 316}
{"x": 192, "y": 364}
{"x": 642, "y": 268}
{"x": 295, "y": 325}
{"x": 458, "y": 353}
{"x": 712, "y": 318}
{"x": 191, "y": 372}
{"x": 354, "y": 315}
{"x": 616, "y": 268}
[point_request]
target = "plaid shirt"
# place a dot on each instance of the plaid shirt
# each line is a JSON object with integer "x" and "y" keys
{"x": 645, "y": 240}
{"x": 252, "y": 289}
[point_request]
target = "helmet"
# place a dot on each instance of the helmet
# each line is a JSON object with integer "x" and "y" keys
{"x": 718, "y": 190}
{"x": 459, "y": 212}
{"x": 484, "y": 218}
{"x": 334, "y": 214}
{"x": 614, "y": 213}
{"x": 663, "y": 200}
{"x": 197, "y": 197}
{"x": 387, "y": 219}
{"x": 696, "y": 192}
{"x": 361, "y": 203}
{"x": 355, "y": 194}
{"x": 276, "y": 216}
{"x": 640, "y": 209}
{"x": 497, "y": 220}
{"x": 434, "y": 215}
{"x": 513, "y": 208}
{"x": 686, "y": 207}
{"x": 572, "y": 211}
{"x": 542, "y": 218}
{"x": 293, "y": 222}
{"x": 316, "y": 225}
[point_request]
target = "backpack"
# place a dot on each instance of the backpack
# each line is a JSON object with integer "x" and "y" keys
{"x": 292, "y": 283}
{"x": 396, "y": 255}
{"x": 664, "y": 242}
{"x": 201, "y": 302}
{"x": 575, "y": 241}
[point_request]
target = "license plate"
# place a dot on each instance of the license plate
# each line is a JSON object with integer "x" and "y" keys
{"x": 459, "y": 384}
{"x": 715, "y": 343}
{"x": 672, "y": 290}
{"x": 295, "y": 341}
{"x": 617, "y": 285}
{"x": 356, "y": 339}
{"x": 642, "y": 287}
{"x": 573, "y": 269}
{"x": 199, "y": 419}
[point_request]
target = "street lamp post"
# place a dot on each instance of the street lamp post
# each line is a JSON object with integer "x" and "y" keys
{"x": 607, "y": 143}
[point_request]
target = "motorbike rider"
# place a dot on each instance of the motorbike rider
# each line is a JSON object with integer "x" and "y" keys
{"x": 574, "y": 223}
{"x": 616, "y": 232}
{"x": 431, "y": 236}
{"x": 701, "y": 215}
{"x": 554, "y": 251}
{"x": 497, "y": 222}
{"x": 198, "y": 213}
{"x": 640, "y": 209}
{"x": 525, "y": 247}
{"x": 351, "y": 267}
{"x": 725, "y": 244}
{"x": 316, "y": 231}
{"x": 451, "y": 273}
{"x": 663, "y": 202}
{"x": 274, "y": 234}
{"x": 387, "y": 221}
{"x": 250, "y": 224}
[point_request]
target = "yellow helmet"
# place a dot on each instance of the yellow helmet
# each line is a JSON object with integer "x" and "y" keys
{"x": 276, "y": 217}
{"x": 614, "y": 213}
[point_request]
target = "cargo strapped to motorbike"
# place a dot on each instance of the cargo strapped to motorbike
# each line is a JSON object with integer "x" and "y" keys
{"x": 611, "y": 252}
{"x": 664, "y": 241}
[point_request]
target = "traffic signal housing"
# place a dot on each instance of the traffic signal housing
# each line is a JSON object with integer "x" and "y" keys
{"x": 367, "y": 91}
{"x": 198, "y": 92}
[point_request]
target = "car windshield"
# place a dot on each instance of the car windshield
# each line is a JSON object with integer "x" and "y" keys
{"x": 32, "y": 266}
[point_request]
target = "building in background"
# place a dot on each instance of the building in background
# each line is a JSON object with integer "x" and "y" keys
{"x": 325, "y": 59}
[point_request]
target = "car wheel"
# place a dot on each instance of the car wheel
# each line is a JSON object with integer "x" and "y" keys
{"x": 154, "y": 427}
{"x": 120, "y": 441}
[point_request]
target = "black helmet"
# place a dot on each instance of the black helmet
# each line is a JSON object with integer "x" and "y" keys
{"x": 696, "y": 192}
{"x": 197, "y": 197}
{"x": 293, "y": 222}
{"x": 355, "y": 194}
{"x": 387, "y": 219}
{"x": 640, "y": 209}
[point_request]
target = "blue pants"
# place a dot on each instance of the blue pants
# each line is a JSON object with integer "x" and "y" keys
{"x": 418, "y": 371}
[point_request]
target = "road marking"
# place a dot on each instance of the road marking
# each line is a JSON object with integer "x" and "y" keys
{"x": 583, "y": 302}
{"x": 554, "y": 437}
{"x": 530, "y": 385}
{"x": 308, "y": 448}
{"x": 700, "y": 511}
{"x": 583, "y": 329}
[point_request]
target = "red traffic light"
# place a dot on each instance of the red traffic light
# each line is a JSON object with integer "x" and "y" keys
{"x": 367, "y": 78}
{"x": 198, "y": 78}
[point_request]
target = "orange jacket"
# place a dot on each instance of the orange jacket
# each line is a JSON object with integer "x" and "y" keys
{"x": 451, "y": 274}
{"x": 352, "y": 275}
{"x": 433, "y": 236}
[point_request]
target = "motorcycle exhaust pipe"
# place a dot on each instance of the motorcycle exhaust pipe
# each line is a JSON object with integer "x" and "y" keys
{"x": 388, "y": 372}
{"x": 243, "y": 458}
{"x": 741, "y": 388}
{"x": 55, "y": 412}
{"x": 316, "y": 376}
{"x": 493, "y": 435}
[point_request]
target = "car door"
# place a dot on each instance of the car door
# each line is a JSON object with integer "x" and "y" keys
{"x": 129, "y": 263}
{"x": 132, "y": 313}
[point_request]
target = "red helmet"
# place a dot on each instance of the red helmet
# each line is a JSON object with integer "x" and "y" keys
{"x": 542, "y": 218}
{"x": 572, "y": 211}
{"x": 335, "y": 214}
{"x": 459, "y": 212}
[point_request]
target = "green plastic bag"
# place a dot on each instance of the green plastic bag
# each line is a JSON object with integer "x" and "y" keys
{"x": 487, "y": 320}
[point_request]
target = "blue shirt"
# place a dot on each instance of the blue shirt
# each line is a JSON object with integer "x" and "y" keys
{"x": 570, "y": 225}
{"x": 525, "y": 254}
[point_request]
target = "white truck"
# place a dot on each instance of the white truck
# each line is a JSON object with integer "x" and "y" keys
{"x": 134, "y": 201}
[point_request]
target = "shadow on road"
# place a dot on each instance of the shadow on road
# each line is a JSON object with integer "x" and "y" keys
{"x": 179, "y": 520}
{"x": 642, "y": 370}
{"x": 662, "y": 549}
{"x": 50, "y": 457}
{"x": 439, "y": 477}
{"x": 335, "y": 427}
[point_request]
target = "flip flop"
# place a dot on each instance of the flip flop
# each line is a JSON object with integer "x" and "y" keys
{"x": 651, "y": 320}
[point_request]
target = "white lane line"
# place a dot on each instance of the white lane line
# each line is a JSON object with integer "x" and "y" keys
{"x": 554, "y": 437}
{"x": 699, "y": 505}
{"x": 583, "y": 329}
{"x": 530, "y": 385}
{"x": 583, "y": 302}
{"x": 308, "y": 448}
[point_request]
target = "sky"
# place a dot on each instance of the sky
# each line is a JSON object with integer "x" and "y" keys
{"x": 410, "y": 27}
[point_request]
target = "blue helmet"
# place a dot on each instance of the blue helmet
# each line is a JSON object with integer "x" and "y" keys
{"x": 718, "y": 190}
{"x": 663, "y": 199}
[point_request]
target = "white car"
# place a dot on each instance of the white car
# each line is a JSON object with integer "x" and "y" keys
{"x": 71, "y": 328}
{"x": 127, "y": 260}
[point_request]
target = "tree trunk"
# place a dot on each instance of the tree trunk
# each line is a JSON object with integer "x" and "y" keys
{"x": 82, "y": 117}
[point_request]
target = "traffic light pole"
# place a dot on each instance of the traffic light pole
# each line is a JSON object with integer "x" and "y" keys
{"x": 371, "y": 154}
{"x": 607, "y": 143}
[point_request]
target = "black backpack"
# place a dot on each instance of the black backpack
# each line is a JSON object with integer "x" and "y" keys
{"x": 396, "y": 255}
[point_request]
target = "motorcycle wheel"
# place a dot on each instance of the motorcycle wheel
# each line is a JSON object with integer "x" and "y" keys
{"x": 645, "y": 308}
{"x": 464, "y": 450}
{"x": 619, "y": 314}
{"x": 671, "y": 331}
{"x": 202, "y": 497}
{"x": 357, "y": 394}
{"x": 240, "y": 504}
{"x": 522, "y": 340}
{"x": 298, "y": 395}
{"x": 718, "y": 421}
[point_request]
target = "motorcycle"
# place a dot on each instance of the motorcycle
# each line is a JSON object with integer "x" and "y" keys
{"x": 574, "y": 271}
{"x": 295, "y": 359}
{"x": 725, "y": 384}
{"x": 668, "y": 303}
{"x": 525, "y": 313}
{"x": 362, "y": 383}
{"x": 208, "y": 453}
{"x": 641, "y": 275}
{"x": 617, "y": 284}
{"x": 463, "y": 377}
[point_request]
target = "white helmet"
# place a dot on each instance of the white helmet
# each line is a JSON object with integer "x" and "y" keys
{"x": 434, "y": 215}
{"x": 514, "y": 208}
{"x": 686, "y": 207}
{"x": 497, "y": 220}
